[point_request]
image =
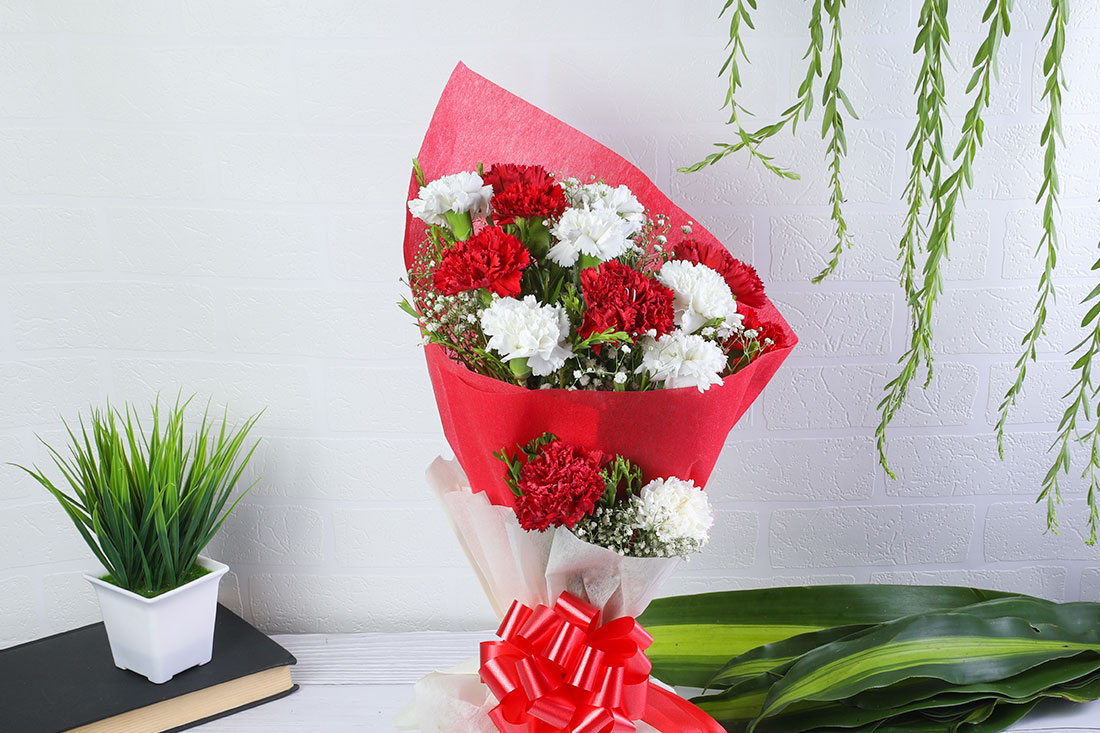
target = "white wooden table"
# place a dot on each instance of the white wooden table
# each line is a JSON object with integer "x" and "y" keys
{"x": 358, "y": 682}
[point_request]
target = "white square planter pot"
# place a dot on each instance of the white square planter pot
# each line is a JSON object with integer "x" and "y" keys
{"x": 159, "y": 637}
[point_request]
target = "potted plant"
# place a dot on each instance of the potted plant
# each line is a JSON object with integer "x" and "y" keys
{"x": 147, "y": 503}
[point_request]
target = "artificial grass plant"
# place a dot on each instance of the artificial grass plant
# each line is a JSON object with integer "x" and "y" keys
{"x": 148, "y": 502}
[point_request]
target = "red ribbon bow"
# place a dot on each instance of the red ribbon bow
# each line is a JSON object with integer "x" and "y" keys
{"x": 558, "y": 670}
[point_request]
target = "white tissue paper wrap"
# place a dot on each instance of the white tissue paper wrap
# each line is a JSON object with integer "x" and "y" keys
{"x": 533, "y": 568}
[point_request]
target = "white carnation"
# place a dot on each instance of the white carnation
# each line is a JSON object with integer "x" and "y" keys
{"x": 602, "y": 196}
{"x": 700, "y": 295}
{"x": 461, "y": 193}
{"x": 599, "y": 233}
{"x": 683, "y": 360}
{"x": 676, "y": 511}
{"x": 526, "y": 329}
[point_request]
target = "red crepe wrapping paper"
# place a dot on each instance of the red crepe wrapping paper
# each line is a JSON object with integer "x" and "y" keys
{"x": 674, "y": 432}
{"x": 558, "y": 670}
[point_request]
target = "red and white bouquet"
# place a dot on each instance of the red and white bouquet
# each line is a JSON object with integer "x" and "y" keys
{"x": 590, "y": 347}
{"x": 548, "y": 282}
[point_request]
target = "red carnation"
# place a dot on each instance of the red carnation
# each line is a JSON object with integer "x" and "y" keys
{"x": 771, "y": 331}
{"x": 522, "y": 191}
{"x": 505, "y": 175}
{"x": 619, "y": 297}
{"x": 490, "y": 259}
{"x": 560, "y": 486}
{"x": 744, "y": 283}
{"x": 522, "y": 201}
{"x": 765, "y": 330}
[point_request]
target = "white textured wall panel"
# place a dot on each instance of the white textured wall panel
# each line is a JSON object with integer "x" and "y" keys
{"x": 208, "y": 196}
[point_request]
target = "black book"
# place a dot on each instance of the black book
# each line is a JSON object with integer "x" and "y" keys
{"x": 68, "y": 682}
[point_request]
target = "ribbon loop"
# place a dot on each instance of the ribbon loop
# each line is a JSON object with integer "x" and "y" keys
{"x": 557, "y": 670}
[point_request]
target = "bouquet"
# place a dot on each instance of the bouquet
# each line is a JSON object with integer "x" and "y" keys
{"x": 584, "y": 303}
{"x": 590, "y": 347}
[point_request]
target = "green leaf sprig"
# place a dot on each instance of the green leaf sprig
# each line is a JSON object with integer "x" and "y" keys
{"x": 514, "y": 465}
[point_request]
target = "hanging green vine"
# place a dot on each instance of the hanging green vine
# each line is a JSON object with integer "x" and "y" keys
{"x": 732, "y": 69}
{"x": 832, "y": 98}
{"x": 947, "y": 197}
{"x": 799, "y": 110}
{"x": 1055, "y": 36}
{"x": 1079, "y": 407}
{"x": 832, "y": 127}
{"x": 925, "y": 144}
{"x": 934, "y": 195}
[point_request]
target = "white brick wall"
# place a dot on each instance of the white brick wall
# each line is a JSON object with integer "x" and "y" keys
{"x": 207, "y": 195}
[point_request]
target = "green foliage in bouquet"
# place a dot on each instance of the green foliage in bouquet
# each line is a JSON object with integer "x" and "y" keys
{"x": 148, "y": 502}
{"x": 939, "y": 176}
{"x": 874, "y": 657}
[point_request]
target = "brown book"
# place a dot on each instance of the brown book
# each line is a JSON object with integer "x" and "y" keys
{"x": 68, "y": 682}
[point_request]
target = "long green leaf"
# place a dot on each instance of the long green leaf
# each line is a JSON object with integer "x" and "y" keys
{"x": 768, "y": 657}
{"x": 694, "y": 636}
{"x": 958, "y": 647}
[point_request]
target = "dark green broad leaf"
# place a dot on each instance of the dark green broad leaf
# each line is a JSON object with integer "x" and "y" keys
{"x": 957, "y": 647}
{"x": 1002, "y": 716}
{"x": 695, "y": 636}
{"x": 970, "y": 708}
